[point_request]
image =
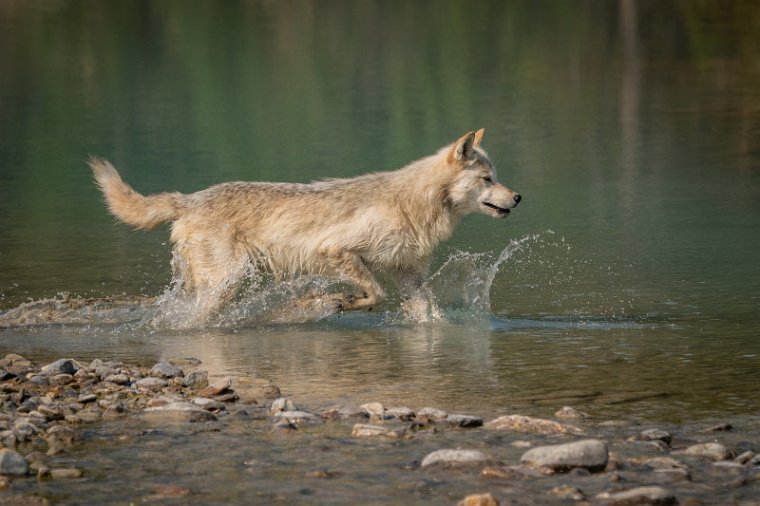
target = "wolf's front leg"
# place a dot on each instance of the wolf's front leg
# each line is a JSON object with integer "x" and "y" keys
{"x": 350, "y": 267}
{"x": 417, "y": 300}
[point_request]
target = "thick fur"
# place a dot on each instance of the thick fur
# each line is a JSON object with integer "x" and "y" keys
{"x": 350, "y": 229}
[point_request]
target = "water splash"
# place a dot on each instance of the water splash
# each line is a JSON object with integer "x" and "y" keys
{"x": 460, "y": 286}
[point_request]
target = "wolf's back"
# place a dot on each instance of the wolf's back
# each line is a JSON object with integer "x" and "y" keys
{"x": 132, "y": 208}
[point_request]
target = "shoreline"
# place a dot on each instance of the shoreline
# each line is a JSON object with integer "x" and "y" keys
{"x": 47, "y": 411}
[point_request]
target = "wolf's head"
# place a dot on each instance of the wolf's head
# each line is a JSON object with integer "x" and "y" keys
{"x": 474, "y": 188}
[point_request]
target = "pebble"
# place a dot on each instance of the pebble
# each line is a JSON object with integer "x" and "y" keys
{"x": 118, "y": 379}
{"x": 520, "y": 423}
{"x": 430, "y": 415}
{"x": 402, "y": 413}
{"x": 166, "y": 370}
{"x": 12, "y": 463}
{"x": 208, "y": 404}
{"x": 447, "y": 458}
{"x": 655, "y": 435}
{"x": 456, "y": 420}
{"x": 714, "y": 451}
{"x": 638, "y": 496}
{"x": 588, "y": 454}
{"x": 479, "y": 500}
{"x": 345, "y": 413}
{"x": 366, "y": 430}
{"x": 150, "y": 384}
{"x": 374, "y": 410}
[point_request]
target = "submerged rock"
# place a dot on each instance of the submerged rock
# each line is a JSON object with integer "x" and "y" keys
{"x": 570, "y": 413}
{"x": 196, "y": 380}
{"x": 215, "y": 389}
{"x": 588, "y": 454}
{"x": 282, "y": 404}
{"x": 178, "y": 412}
{"x": 455, "y": 458}
{"x": 520, "y": 423}
{"x": 297, "y": 418}
{"x": 638, "y": 496}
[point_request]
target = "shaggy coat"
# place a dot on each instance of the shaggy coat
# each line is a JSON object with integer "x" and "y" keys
{"x": 349, "y": 229}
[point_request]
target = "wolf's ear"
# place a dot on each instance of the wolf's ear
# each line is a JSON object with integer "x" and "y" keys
{"x": 464, "y": 148}
{"x": 479, "y": 136}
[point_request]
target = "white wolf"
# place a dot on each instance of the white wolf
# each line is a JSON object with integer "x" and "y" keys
{"x": 348, "y": 229}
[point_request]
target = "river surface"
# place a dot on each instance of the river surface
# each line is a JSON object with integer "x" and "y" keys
{"x": 626, "y": 284}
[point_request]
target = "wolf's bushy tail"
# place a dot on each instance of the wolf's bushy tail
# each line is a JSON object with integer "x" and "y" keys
{"x": 127, "y": 205}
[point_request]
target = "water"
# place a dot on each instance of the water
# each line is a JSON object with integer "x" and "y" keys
{"x": 626, "y": 283}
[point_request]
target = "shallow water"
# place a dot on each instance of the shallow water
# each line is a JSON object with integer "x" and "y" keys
{"x": 625, "y": 284}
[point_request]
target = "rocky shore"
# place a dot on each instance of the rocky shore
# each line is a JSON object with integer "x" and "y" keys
{"x": 570, "y": 458}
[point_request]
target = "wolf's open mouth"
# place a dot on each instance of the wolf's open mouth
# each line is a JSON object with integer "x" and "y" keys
{"x": 496, "y": 208}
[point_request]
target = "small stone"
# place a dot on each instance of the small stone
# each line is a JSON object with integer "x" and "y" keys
{"x": 118, "y": 379}
{"x": 589, "y": 454}
{"x": 402, "y": 413}
{"x": 374, "y": 410}
{"x": 51, "y": 412}
{"x": 655, "y": 435}
{"x": 430, "y": 415}
{"x": 567, "y": 492}
{"x": 166, "y": 370}
{"x": 366, "y": 430}
{"x": 227, "y": 397}
{"x": 349, "y": 412}
{"x": 216, "y": 388}
{"x": 714, "y": 451}
{"x": 745, "y": 458}
{"x": 571, "y": 413}
{"x": 448, "y": 458}
{"x": 479, "y": 500}
{"x": 65, "y": 473}
{"x": 12, "y": 463}
{"x": 196, "y": 380}
{"x": 664, "y": 463}
{"x": 150, "y": 384}
{"x": 520, "y": 423}
{"x": 282, "y": 404}
{"x": 297, "y": 418}
{"x": 61, "y": 366}
{"x": 638, "y": 496}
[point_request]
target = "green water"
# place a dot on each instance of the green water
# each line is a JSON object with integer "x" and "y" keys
{"x": 632, "y": 130}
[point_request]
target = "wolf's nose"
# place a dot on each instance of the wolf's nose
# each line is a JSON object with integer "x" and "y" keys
{"x": 517, "y": 197}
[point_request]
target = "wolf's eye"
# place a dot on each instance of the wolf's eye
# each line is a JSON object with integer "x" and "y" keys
{"x": 487, "y": 179}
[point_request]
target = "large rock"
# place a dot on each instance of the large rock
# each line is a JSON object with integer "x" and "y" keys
{"x": 520, "y": 423}
{"x": 12, "y": 463}
{"x": 166, "y": 370}
{"x": 589, "y": 454}
{"x": 455, "y": 458}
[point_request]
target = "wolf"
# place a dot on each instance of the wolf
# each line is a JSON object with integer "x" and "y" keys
{"x": 351, "y": 230}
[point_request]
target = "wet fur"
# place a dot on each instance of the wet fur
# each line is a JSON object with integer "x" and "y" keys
{"x": 350, "y": 229}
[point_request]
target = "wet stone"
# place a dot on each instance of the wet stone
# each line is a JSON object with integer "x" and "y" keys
{"x": 520, "y": 423}
{"x": 178, "y": 412}
{"x": 61, "y": 379}
{"x": 85, "y": 398}
{"x": 401, "y": 413}
{"x": 118, "y": 379}
{"x": 567, "y": 492}
{"x": 448, "y": 458}
{"x": 150, "y": 384}
{"x": 216, "y": 388}
{"x": 345, "y": 413}
{"x": 589, "y": 454}
{"x": 714, "y": 451}
{"x": 65, "y": 473}
{"x": 208, "y": 404}
{"x": 374, "y": 410}
{"x": 638, "y": 496}
{"x": 655, "y": 435}
{"x": 456, "y": 420}
{"x": 166, "y": 370}
{"x": 12, "y": 463}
